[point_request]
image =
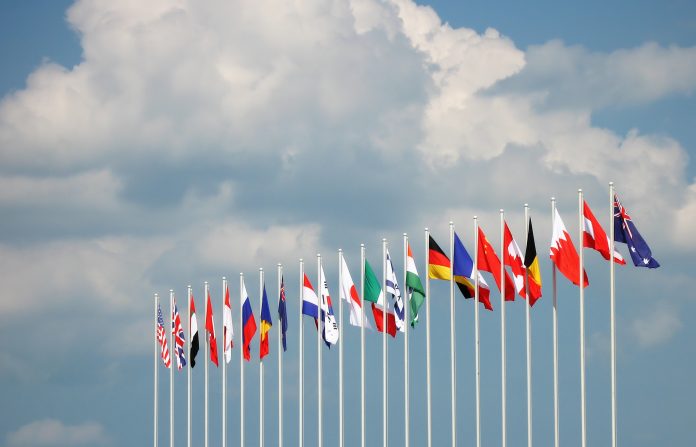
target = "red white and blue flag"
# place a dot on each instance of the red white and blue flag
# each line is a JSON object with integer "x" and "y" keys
{"x": 248, "y": 323}
{"x": 283, "y": 313}
{"x": 179, "y": 339}
{"x": 625, "y": 231}
{"x": 162, "y": 338}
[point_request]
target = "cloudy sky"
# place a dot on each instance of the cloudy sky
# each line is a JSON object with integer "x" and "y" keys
{"x": 149, "y": 145}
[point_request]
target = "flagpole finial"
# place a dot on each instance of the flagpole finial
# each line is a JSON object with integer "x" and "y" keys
{"x": 501, "y": 211}
{"x": 340, "y": 250}
{"x": 205, "y": 283}
{"x": 405, "y": 234}
{"x": 189, "y": 286}
{"x": 171, "y": 290}
{"x": 475, "y": 217}
{"x": 224, "y": 278}
{"x": 156, "y": 295}
{"x": 526, "y": 205}
{"x": 611, "y": 183}
{"x": 579, "y": 189}
{"x": 427, "y": 229}
{"x": 301, "y": 260}
{"x": 451, "y": 223}
{"x": 362, "y": 245}
{"x": 384, "y": 239}
{"x": 280, "y": 265}
{"x": 260, "y": 269}
{"x": 553, "y": 199}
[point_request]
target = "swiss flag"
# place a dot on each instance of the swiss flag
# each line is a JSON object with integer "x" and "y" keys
{"x": 563, "y": 253}
{"x": 593, "y": 235}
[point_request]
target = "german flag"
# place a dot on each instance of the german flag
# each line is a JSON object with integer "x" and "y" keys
{"x": 531, "y": 262}
{"x": 439, "y": 266}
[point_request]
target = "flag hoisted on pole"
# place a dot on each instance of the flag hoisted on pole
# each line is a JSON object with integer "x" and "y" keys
{"x": 477, "y": 344}
{"x": 503, "y": 356}
{"x": 264, "y": 348}
{"x": 283, "y": 327}
{"x": 385, "y": 389}
{"x": 175, "y": 351}
{"x": 242, "y": 294}
{"x": 227, "y": 351}
{"x": 320, "y": 434}
{"x": 556, "y": 434}
{"x": 300, "y": 327}
{"x": 528, "y": 328}
{"x": 427, "y": 338}
{"x": 362, "y": 345}
{"x": 612, "y": 308}
{"x": 155, "y": 385}
{"x": 453, "y": 347}
{"x": 193, "y": 339}
{"x": 583, "y": 389}
{"x": 340, "y": 347}
{"x": 205, "y": 368}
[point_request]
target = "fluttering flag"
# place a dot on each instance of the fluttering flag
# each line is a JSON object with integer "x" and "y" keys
{"x": 266, "y": 324}
{"x": 179, "y": 338}
{"x": 329, "y": 325}
{"x": 531, "y": 262}
{"x": 227, "y": 327}
{"x": 625, "y": 231}
{"x": 464, "y": 275}
{"x": 210, "y": 331}
{"x": 488, "y": 261}
{"x": 283, "y": 313}
{"x": 438, "y": 262}
{"x": 414, "y": 286}
{"x": 373, "y": 294}
{"x": 593, "y": 235}
{"x": 162, "y": 338}
{"x": 248, "y": 323}
{"x": 396, "y": 305}
{"x": 350, "y": 294}
{"x": 193, "y": 327}
{"x": 310, "y": 302}
{"x": 563, "y": 253}
{"x": 512, "y": 257}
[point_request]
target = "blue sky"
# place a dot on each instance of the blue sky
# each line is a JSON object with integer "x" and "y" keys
{"x": 144, "y": 147}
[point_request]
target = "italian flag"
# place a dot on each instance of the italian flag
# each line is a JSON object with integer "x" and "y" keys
{"x": 414, "y": 287}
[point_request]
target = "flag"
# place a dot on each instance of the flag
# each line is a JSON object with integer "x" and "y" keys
{"x": 373, "y": 293}
{"x": 531, "y": 262}
{"x": 210, "y": 330}
{"x": 329, "y": 326}
{"x": 438, "y": 262}
{"x": 179, "y": 338}
{"x": 227, "y": 327}
{"x": 193, "y": 328}
{"x": 464, "y": 275}
{"x": 396, "y": 304}
{"x": 310, "y": 302}
{"x": 266, "y": 324}
{"x": 350, "y": 294}
{"x": 162, "y": 338}
{"x": 625, "y": 231}
{"x": 593, "y": 235}
{"x": 512, "y": 257}
{"x": 563, "y": 253}
{"x": 248, "y": 323}
{"x": 283, "y": 313}
{"x": 488, "y": 261}
{"x": 414, "y": 286}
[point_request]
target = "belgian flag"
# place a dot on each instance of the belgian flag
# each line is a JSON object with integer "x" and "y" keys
{"x": 531, "y": 262}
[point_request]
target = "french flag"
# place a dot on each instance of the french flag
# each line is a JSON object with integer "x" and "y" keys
{"x": 248, "y": 323}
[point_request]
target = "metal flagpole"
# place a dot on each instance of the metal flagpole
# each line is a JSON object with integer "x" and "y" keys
{"x": 188, "y": 367}
{"x": 340, "y": 348}
{"x": 503, "y": 375}
{"x": 477, "y": 340}
{"x": 205, "y": 347}
{"x": 427, "y": 338}
{"x": 241, "y": 360}
{"x": 156, "y": 384}
{"x": 320, "y": 327}
{"x": 261, "y": 365}
{"x": 407, "y": 319}
{"x": 224, "y": 368}
{"x": 301, "y": 366}
{"x": 612, "y": 305}
{"x": 529, "y": 334}
{"x": 385, "y": 393}
{"x": 171, "y": 370}
{"x": 583, "y": 389}
{"x": 555, "y": 341}
{"x": 362, "y": 345}
{"x": 453, "y": 357}
{"x": 280, "y": 363}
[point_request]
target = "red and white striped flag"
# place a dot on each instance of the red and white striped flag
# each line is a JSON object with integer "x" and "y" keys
{"x": 162, "y": 338}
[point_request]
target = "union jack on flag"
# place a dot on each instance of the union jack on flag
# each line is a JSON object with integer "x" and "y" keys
{"x": 179, "y": 339}
{"x": 162, "y": 338}
{"x": 625, "y": 231}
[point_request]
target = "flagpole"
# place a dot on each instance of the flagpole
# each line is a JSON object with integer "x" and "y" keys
{"x": 261, "y": 366}
{"x": 188, "y": 378}
{"x": 503, "y": 375}
{"x": 319, "y": 359}
{"x": 612, "y": 305}
{"x": 156, "y": 384}
{"x": 556, "y": 436}
{"x": 340, "y": 348}
{"x": 529, "y": 334}
{"x": 171, "y": 371}
{"x": 407, "y": 319}
{"x": 241, "y": 361}
{"x": 362, "y": 345}
{"x": 224, "y": 368}
{"x": 207, "y": 354}
{"x": 280, "y": 364}
{"x": 583, "y": 389}
{"x": 301, "y": 365}
{"x": 427, "y": 337}
{"x": 477, "y": 340}
{"x": 385, "y": 420}
{"x": 453, "y": 358}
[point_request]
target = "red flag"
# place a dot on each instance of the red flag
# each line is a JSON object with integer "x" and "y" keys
{"x": 488, "y": 261}
{"x": 563, "y": 253}
{"x": 210, "y": 329}
{"x": 593, "y": 235}
{"x": 513, "y": 258}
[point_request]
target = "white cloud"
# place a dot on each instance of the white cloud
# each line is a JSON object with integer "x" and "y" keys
{"x": 51, "y": 432}
{"x": 656, "y": 327}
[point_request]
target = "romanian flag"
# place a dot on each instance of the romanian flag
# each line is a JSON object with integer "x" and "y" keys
{"x": 266, "y": 324}
{"x": 439, "y": 266}
{"x": 531, "y": 262}
{"x": 248, "y": 323}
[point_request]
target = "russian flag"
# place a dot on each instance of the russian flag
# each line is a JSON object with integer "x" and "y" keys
{"x": 248, "y": 323}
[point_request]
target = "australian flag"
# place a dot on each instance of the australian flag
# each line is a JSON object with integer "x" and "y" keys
{"x": 625, "y": 231}
{"x": 282, "y": 313}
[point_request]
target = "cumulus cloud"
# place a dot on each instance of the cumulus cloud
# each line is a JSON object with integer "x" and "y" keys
{"x": 657, "y": 327}
{"x": 55, "y": 433}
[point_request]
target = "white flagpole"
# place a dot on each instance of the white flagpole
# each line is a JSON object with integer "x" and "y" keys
{"x": 529, "y": 334}
{"x": 612, "y": 305}
{"x": 385, "y": 393}
{"x": 224, "y": 369}
{"x": 555, "y": 342}
{"x": 241, "y": 359}
{"x": 503, "y": 368}
{"x": 188, "y": 367}
{"x": 407, "y": 319}
{"x": 205, "y": 347}
{"x": 171, "y": 369}
{"x": 477, "y": 343}
{"x": 320, "y": 292}
{"x": 453, "y": 357}
{"x": 301, "y": 365}
{"x": 583, "y": 389}
{"x": 340, "y": 347}
{"x": 260, "y": 363}
{"x": 362, "y": 345}
{"x": 280, "y": 363}
{"x": 427, "y": 338}
{"x": 156, "y": 384}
